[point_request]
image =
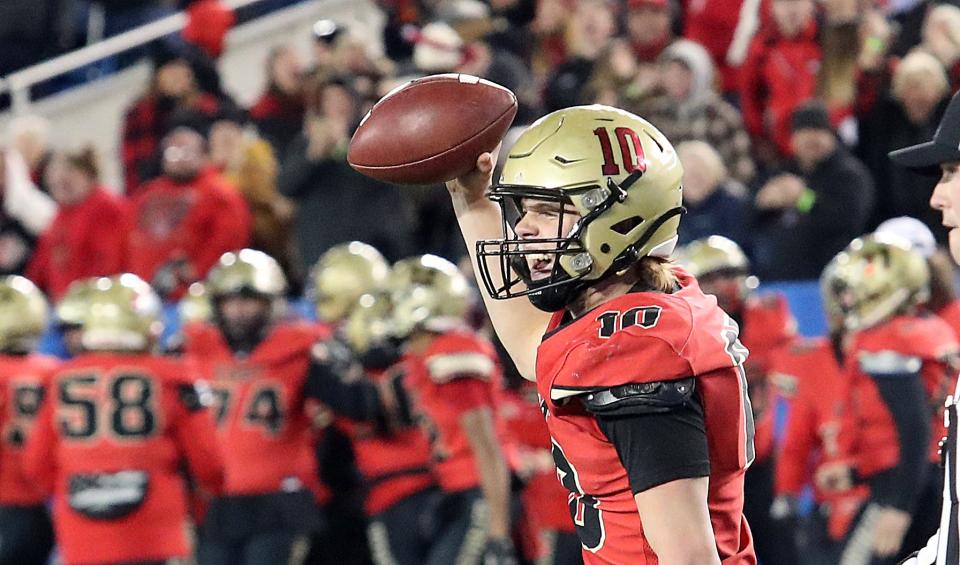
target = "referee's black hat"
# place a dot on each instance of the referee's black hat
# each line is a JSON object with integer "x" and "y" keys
{"x": 927, "y": 157}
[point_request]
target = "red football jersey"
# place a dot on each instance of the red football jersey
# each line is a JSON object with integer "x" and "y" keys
{"x": 768, "y": 328}
{"x": 394, "y": 466}
{"x": 809, "y": 377}
{"x": 262, "y": 420}
{"x": 113, "y": 433}
{"x": 951, "y": 315}
{"x": 927, "y": 341}
{"x": 457, "y": 373}
{"x": 637, "y": 338}
{"x": 23, "y": 381}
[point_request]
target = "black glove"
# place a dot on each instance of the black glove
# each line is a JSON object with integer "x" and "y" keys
{"x": 499, "y": 552}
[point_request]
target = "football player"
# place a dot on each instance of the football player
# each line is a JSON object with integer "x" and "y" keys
{"x": 630, "y": 357}
{"x": 257, "y": 364}
{"x": 900, "y": 366}
{"x": 392, "y": 453}
{"x": 25, "y": 528}
{"x": 113, "y": 432}
{"x": 809, "y": 375}
{"x": 449, "y": 386}
{"x": 766, "y": 328}
{"x": 454, "y": 380}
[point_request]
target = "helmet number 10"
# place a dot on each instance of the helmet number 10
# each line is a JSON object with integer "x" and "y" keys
{"x": 631, "y": 151}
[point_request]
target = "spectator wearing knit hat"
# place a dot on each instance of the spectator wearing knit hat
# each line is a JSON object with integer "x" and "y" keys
{"x": 815, "y": 207}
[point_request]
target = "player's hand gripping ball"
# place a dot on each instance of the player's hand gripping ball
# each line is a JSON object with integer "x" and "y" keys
{"x": 432, "y": 130}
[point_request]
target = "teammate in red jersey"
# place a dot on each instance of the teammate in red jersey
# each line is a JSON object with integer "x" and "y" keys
{"x": 340, "y": 276}
{"x": 450, "y": 388}
{"x": 900, "y": 368}
{"x": 943, "y": 299}
{"x": 257, "y": 366}
{"x": 810, "y": 376}
{"x": 392, "y": 455}
{"x": 114, "y": 431}
{"x": 454, "y": 380}
{"x": 766, "y": 328}
{"x": 25, "y": 528}
{"x": 640, "y": 373}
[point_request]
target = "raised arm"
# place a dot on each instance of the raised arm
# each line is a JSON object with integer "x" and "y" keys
{"x": 518, "y": 323}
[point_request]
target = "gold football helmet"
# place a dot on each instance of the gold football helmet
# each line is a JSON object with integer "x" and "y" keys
{"x": 195, "y": 305}
{"x": 343, "y": 274}
{"x": 874, "y": 278}
{"x": 123, "y": 313}
{"x": 23, "y": 314}
{"x": 620, "y": 173}
{"x": 72, "y": 306}
{"x": 429, "y": 292}
{"x": 713, "y": 255}
{"x": 246, "y": 271}
{"x": 721, "y": 268}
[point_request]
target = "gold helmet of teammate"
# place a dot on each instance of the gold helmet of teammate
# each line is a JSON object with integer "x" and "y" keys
{"x": 343, "y": 274}
{"x": 23, "y": 314}
{"x": 874, "y": 278}
{"x": 369, "y": 323}
{"x": 123, "y": 313}
{"x": 620, "y": 174}
{"x": 715, "y": 254}
{"x": 72, "y": 306}
{"x": 429, "y": 292}
{"x": 247, "y": 271}
{"x": 831, "y": 289}
{"x": 721, "y": 268}
{"x": 195, "y": 305}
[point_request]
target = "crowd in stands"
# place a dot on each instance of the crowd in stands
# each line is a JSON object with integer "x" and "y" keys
{"x": 785, "y": 110}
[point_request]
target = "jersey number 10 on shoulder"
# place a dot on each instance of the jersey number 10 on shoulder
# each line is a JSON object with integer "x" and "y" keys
{"x": 613, "y": 321}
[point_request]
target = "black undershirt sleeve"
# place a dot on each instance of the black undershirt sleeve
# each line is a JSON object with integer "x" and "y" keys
{"x": 905, "y": 398}
{"x": 660, "y": 447}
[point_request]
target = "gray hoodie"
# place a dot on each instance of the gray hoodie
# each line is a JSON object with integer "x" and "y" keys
{"x": 693, "y": 56}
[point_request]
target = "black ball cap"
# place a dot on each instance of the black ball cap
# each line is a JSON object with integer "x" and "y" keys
{"x": 926, "y": 158}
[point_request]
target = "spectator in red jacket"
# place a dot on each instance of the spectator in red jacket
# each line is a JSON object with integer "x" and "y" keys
{"x": 174, "y": 98}
{"x": 779, "y": 75}
{"x": 278, "y": 113}
{"x": 184, "y": 220}
{"x": 83, "y": 240}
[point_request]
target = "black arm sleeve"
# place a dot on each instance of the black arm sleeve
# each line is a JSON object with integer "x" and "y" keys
{"x": 358, "y": 400}
{"x": 905, "y": 398}
{"x": 662, "y": 446}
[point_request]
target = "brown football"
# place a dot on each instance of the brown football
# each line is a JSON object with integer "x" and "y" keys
{"x": 431, "y": 130}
